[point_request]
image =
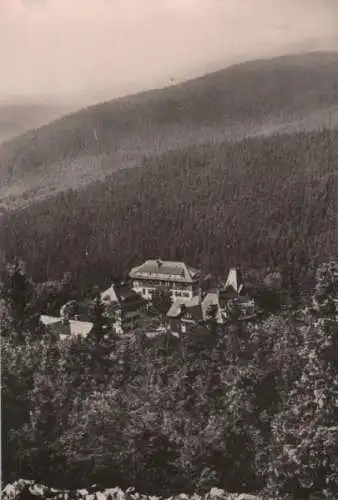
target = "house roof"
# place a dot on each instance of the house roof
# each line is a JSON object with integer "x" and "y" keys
{"x": 66, "y": 328}
{"x": 175, "y": 308}
{"x": 165, "y": 269}
{"x": 193, "y": 306}
{"x": 195, "y": 312}
{"x": 109, "y": 295}
{"x": 55, "y": 325}
{"x": 235, "y": 280}
{"x": 82, "y": 328}
{"x": 49, "y": 320}
{"x": 212, "y": 299}
{"x": 120, "y": 294}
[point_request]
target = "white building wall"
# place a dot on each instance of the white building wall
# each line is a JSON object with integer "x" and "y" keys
{"x": 146, "y": 291}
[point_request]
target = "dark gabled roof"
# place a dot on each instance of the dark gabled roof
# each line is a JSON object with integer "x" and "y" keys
{"x": 180, "y": 308}
{"x": 212, "y": 299}
{"x": 195, "y": 312}
{"x": 125, "y": 293}
{"x": 168, "y": 270}
{"x": 120, "y": 295}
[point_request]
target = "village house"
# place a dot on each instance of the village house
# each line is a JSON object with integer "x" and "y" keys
{"x": 124, "y": 307}
{"x": 218, "y": 304}
{"x": 125, "y": 304}
{"x": 123, "y": 312}
{"x": 181, "y": 280}
{"x": 65, "y": 328}
{"x": 184, "y": 315}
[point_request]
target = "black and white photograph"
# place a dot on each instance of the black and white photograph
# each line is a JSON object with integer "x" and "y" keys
{"x": 169, "y": 249}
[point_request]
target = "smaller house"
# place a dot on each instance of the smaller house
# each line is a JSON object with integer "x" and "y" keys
{"x": 183, "y": 316}
{"x": 235, "y": 281}
{"x": 244, "y": 308}
{"x": 123, "y": 311}
{"x": 65, "y": 328}
{"x": 220, "y": 304}
{"x": 229, "y": 300}
{"x": 124, "y": 307}
{"x": 214, "y": 306}
{"x": 239, "y": 303}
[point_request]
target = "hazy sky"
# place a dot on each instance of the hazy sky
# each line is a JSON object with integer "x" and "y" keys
{"x": 92, "y": 50}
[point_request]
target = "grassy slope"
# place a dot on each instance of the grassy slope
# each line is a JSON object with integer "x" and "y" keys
{"x": 260, "y": 97}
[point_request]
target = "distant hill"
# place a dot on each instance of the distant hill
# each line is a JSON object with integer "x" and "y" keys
{"x": 285, "y": 94}
{"x": 19, "y": 117}
{"x": 259, "y": 202}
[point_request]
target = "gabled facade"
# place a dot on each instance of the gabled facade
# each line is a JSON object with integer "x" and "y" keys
{"x": 239, "y": 303}
{"x": 215, "y": 304}
{"x": 181, "y": 280}
{"x": 185, "y": 315}
{"x": 235, "y": 281}
{"x": 228, "y": 300}
{"x": 123, "y": 306}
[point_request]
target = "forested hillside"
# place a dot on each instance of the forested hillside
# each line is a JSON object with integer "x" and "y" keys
{"x": 289, "y": 93}
{"x": 256, "y": 203}
{"x": 247, "y": 407}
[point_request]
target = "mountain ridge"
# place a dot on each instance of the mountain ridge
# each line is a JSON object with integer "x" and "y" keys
{"x": 285, "y": 94}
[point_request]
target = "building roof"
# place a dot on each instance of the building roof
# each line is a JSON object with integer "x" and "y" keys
{"x": 212, "y": 299}
{"x": 66, "y": 328}
{"x": 120, "y": 294}
{"x": 109, "y": 295}
{"x": 82, "y": 328}
{"x": 49, "y": 320}
{"x": 235, "y": 280}
{"x": 165, "y": 270}
{"x": 180, "y": 306}
{"x": 175, "y": 308}
{"x": 194, "y": 313}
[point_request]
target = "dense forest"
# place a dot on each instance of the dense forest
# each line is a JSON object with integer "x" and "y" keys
{"x": 247, "y": 408}
{"x": 289, "y": 94}
{"x": 258, "y": 203}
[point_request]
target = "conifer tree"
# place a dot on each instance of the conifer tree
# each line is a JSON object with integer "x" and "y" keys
{"x": 96, "y": 315}
{"x": 305, "y": 432}
{"x": 16, "y": 296}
